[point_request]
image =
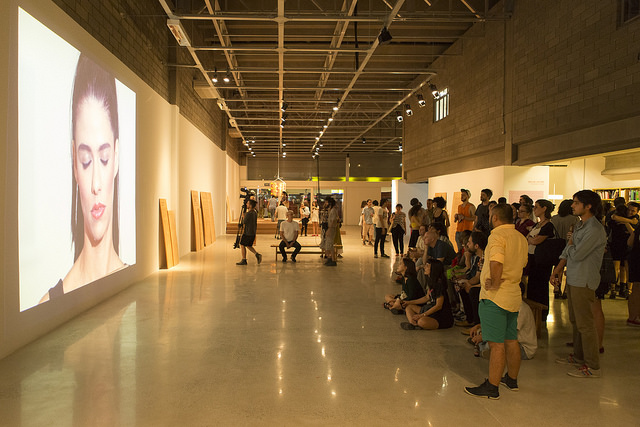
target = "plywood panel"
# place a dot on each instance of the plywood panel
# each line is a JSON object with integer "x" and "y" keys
{"x": 174, "y": 237}
{"x": 206, "y": 203}
{"x": 197, "y": 240}
{"x": 166, "y": 252}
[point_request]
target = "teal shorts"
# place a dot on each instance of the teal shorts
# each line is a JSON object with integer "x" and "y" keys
{"x": 497, "y": 323}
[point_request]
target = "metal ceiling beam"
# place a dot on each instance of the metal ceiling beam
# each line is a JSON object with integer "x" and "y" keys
{"x": 436, "y": 16}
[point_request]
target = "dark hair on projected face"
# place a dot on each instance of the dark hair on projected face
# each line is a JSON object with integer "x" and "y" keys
{"x": 92, "y": 82}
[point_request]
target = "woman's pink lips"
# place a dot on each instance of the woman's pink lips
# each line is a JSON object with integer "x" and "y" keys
{"x": 97, "y": 210}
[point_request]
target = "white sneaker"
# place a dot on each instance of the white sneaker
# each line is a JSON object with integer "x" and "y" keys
{"x": 585, "y": 372}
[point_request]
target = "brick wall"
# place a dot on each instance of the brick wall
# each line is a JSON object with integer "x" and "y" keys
{"x": 571, "y": 79}
{"x": 135, "y": 31}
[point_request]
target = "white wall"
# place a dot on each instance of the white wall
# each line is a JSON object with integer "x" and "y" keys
{"x": 173, "y": 157}
{"x": 403, "y": 193}
{"x": 474, "y": 181}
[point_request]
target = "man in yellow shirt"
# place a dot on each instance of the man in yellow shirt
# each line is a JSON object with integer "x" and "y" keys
{"x": 500, "y": 297}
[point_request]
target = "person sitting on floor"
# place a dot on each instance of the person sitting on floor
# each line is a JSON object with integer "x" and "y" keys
{"x": 289, "y": 235}
{"x": 432, "y": 311}
{"x": 527, "y": 337}
{"x": 411, "y": 288}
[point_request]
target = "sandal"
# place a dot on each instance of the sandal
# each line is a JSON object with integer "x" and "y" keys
{"x": 409, "y": 326}
{"x": 397, "y": 311}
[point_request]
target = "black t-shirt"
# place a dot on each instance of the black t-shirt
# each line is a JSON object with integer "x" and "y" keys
{"x": 412, "y": 288}
{"x": 250, "y": 222}
{"x": 482, "y": 213}
{"x": 547, "y": 230}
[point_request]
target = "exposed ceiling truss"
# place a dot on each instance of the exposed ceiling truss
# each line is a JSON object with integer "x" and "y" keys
{"x": 309, "y": 75}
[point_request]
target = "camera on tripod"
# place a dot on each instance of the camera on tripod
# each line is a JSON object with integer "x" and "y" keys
{"x": 246, "y": 197}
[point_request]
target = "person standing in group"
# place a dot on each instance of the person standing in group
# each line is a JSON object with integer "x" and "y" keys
{"x": 416, "y": 219}
{"x": 539, "y": 273}
{"x": 500, "y": 297}
{"x": 368, "y": 228}
{"x": 315, "y": 217}
{"x": 398, "y": 229}
{"x": 360, "y": 219}
{"x": 289, "y": 235}
{"x": 465, "y": 217}
{"x": 440, "y": 215}
{"x": 273, "y": 204}
{"x": 564, "y": 222}
{"x": 583, "y": 257}
{"x": 380, "y": 219}
{"x": 281, "y": 216}
{"x": 304, "y": 215}
{"x": 249, "y": 233}
{"x": 330, "y": 233}
{"x": 634, "y": 276}
{"x": 482, "y": 212}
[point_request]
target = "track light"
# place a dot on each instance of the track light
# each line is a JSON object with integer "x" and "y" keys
{"x": 324, "y": 126}
{"x": 434, "y": 90}
{"x": 284, "y": 144}
{"x": 253, "y": 154}
{"x": 321, "y": 145}
{"x": 283, "y": 118}
{"x": 330, "y": 119}
{"x": 317, "y": 138}
{"x": 421, "y": 101}
{"x": 336, "y": 107}
{"x": 227, "y": 77}
{"x": 284, "y": 107}
{"x": 281, "y": 125}
{"x": 400, "y": 147}
{"x": 398, "y": 117}
{"x": 364, "y": 140}
{"x": 408, "y": 110}
{"x": 215, "y": 75}
{"x": 384, "y": 37}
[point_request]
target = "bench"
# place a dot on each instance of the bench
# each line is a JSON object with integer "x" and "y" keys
{"x": 306, "y": 249}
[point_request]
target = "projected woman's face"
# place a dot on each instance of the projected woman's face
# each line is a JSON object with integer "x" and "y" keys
{"x": 95, "y": 165}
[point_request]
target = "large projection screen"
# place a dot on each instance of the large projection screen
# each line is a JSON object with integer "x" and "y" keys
{"x": 76, "y": 168}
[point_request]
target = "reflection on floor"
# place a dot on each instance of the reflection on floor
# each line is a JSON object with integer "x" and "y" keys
{"x": 212, "y": 343}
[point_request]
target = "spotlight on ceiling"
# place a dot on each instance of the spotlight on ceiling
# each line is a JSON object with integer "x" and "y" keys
{"x": 317, "y": 138}
{"x": 400, "y": 147}
{"x": 282, "y": 125}
{"x": 215, "y": 75}
{"x": 398, "y": 117}
{"x": 253, "y": 154}
{"x": 227, "y": 77}
{"x": 283, "y": 118}
{"x": 330, "y": 119}
{"x": 408, "y": 110}
{"x": 284, "y": 144}
{"x": 284, "y": 107}
{"x": 336, "y": 107}
{"x": 384, "y": 37}
{"x": 421, "y": 101}
{"x": 434, "y": 90}
{"x": 321, "y": 145}
{"x": 364, "y": 140}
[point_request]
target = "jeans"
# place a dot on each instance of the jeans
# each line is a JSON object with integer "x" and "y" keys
{"x": 305, "y": 224}
{"x": 380, "y": 236}
{"x": 280, "y": 221}
{"x": 297, "y": 248}
{"x": 397, "y": 233}
{"x": 272, "y": 214}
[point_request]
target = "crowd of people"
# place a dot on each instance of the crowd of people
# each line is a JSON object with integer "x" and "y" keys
{"x": 503, "y": 261}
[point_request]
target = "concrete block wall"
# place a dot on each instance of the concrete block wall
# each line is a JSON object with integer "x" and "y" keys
{"x": 471, "y": 136}
{"x": 576, "y": 80}
{"x": 569, "y": 86}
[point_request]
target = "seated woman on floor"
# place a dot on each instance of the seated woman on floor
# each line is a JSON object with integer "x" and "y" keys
{"x": 411, "y": 288}
{"x": 432, "y": 311}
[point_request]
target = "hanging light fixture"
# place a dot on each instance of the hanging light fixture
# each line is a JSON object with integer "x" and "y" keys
{"x": 284, "y": 106}
{"x": 408, "y": 110}
{"x": 434, "y": 90}
{"x": 214, "y": 79}
{"x": 421, "y": 101}
{"x": 398, "y": 117}
{"x": 364, "y": 140}
{"x": 227, "y": 77}
{"x": 337, "y": 106}
{"x": 385, "y": 36}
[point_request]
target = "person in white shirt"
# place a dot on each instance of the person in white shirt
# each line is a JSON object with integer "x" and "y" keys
{"x": 304, "y": 214}
{"x": 527, "y": 337}
{"x": 380, "y": 219}
{"x": 273, "y": 204}
{"x": 281, "y": 216}
{"x": 289, "y": 235}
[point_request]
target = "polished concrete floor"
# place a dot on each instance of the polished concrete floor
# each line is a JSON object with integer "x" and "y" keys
{"x": 210, "y": 343}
